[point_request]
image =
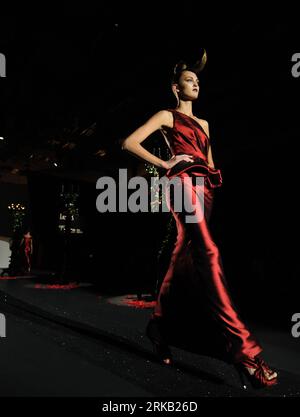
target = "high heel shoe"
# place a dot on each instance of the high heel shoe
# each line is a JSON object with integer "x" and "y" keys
{"x": 161, "y": 349}
{"x": 257, "y": 372}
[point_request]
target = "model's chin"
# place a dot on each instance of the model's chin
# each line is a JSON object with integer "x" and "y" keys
{"x": 191, "y": 97}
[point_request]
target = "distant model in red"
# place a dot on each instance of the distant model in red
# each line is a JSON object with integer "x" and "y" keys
{"x": 188, "y": 139}
{"x": 27, "y": 248}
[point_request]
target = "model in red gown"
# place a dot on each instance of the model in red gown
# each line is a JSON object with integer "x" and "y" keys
{"x": 196, "y": 259}
{"x": 195, "y": 277}
{"x": 26, "y": 244}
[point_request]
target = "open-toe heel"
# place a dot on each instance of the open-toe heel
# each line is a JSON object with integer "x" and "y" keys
{"x": 256, "y": 372}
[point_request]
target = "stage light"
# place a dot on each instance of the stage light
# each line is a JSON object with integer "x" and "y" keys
{"x": 1, "y": 138}
{"x": 55, "y": 164}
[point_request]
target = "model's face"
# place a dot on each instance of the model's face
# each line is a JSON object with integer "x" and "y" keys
{"x": 188, "y": 86}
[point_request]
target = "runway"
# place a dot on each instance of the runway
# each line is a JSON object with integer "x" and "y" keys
{"x": 75, "y": 342}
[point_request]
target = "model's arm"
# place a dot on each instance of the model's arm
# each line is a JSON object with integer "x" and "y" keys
{"x": 133, "y": 142}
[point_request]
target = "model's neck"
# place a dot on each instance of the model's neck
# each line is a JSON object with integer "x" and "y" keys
{"x": 185, "y": 107}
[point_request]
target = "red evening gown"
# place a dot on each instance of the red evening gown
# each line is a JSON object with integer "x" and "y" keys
{"x": 27, "y": 252}
{"x": 194, "y": 287}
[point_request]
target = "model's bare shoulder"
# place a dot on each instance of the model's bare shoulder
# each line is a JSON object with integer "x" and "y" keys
{"x": 165, "y": 117}
{"x": 204, "y": 124}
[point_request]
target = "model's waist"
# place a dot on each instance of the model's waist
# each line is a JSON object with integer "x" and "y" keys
{"x": 194, "y": 153}
{"x": 197, "y": 167}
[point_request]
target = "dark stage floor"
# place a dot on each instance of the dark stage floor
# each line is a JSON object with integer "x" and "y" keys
{"x": 73, "y": 341}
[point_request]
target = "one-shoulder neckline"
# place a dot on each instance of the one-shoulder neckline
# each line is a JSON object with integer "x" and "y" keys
{"x": 198, "y": 124}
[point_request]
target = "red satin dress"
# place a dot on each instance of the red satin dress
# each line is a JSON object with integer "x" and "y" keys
{"x": 196, "y": 256}
{"x": 27, "y": 251}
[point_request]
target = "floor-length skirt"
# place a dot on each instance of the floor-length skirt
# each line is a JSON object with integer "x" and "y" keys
{"x": 197, "y": 261}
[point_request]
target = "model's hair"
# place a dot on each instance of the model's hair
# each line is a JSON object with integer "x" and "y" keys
{"x": 181, "y": 66}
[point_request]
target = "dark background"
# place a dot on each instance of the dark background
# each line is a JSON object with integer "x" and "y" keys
{"x": 72, "y": 69}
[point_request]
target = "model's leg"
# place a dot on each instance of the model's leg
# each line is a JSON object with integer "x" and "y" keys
{"x": 156, "y": 327}
{"x": 176, "y": 262}
{"x": 241, "y": 344}
{"x": 210, "y": 275}
{"x": 27, "y": 254}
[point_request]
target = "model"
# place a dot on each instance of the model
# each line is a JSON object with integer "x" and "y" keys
{"x": 188, "y": 139}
